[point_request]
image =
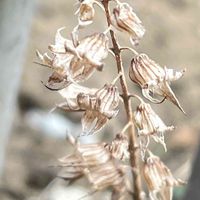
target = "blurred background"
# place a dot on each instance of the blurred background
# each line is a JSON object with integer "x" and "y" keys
{"x": 32, "y": 138}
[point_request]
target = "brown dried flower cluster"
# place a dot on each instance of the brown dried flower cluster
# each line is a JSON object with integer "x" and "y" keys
{"x": 75, "y": 60}
{"x": 100, "y": 163}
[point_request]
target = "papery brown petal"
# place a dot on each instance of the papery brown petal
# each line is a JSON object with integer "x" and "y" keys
{"x": 94, "y": 154}
{"x": 119, "y": 147}
{"x": 94, "y": 48}
{"x": 143, "y": 70}
{"x": 149, "y": 125}
{"x": 124, "y": 19}
{"x": 92, "y": 122}
{"x": 60, "y": 43}
{"x": 80, "y": 69}
{"x": 86, "y": 13}
{"x": 108, "y": 100}
{"x": 169, "y": 94}
{"x": 71, "y": 93}
{"x": 106, "y": 175}
{"x": 158, "y": 177}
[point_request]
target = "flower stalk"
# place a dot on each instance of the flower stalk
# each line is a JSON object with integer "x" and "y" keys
{"x": 127, "y": 105}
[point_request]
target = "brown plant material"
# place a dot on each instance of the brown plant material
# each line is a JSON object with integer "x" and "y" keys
{"x": 159, "y": 179}
{"x": 119, "y": 147}
{"x": 75, "y": 64}
{"x": 85, "y": 12}
{"x": 99, "y": 105}
{"x": 154, "y": 79}
{"x": 125, "y": 20}
{"x": 74, "y": 61}
{"x": 97, "y": 164}
{"x": 149, "y": 125}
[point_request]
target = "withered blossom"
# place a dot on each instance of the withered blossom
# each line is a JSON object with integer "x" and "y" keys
{"x": 75, "y": 64}
{"x": 97, "y": 164}
{"x": 149, "y": 125}
{"x": 92, "y": 50}
{"x": 125, "y": 20}
{"x": 159, "y": 179}
{"x": 153, "y": 79}
{"x": 100, "y": 107}
{"x": 119, "y": 147}
{"x": 85, "y": 12}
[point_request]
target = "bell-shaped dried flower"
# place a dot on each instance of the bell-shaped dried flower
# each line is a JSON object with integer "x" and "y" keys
{"x": 96, "y": 162}
{"x": 75, "y": 64}
{"x": 85, "y": 12}
{"x": 85, "y": 156}
{"x": 100, "y": 107}
{"x": 93, "y": 48}
{"x": 125, "y": 20}
{"x": 149, "y": 125}
{"x": 159, "y": 179}
{"x": 153, "y": 79}
{"x": 119, "y": 147}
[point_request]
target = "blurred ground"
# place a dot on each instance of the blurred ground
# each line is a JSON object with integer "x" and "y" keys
{"x": 172, "y": 39}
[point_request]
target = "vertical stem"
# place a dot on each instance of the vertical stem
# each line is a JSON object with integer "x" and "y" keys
{"x": 127, "y": 105}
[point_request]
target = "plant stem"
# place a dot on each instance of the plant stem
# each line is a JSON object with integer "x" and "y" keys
{"x": 127, "y": 105}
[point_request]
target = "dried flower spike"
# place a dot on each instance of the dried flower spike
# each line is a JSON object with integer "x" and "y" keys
{"x": 125, "y": 20}
{"x": 149, "y": 125}
{"x": 154, "y": 79}
{"x": 159, "y": 179}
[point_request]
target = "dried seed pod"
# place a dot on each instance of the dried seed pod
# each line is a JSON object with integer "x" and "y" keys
{"x": 149, "y": 125}
{"x": 100, "y": 107}
{"x": 125, "y": 20}
{"x": 159, "y": 178}
{"x": 152, "y": 78}
{"x": 119, "y": 147}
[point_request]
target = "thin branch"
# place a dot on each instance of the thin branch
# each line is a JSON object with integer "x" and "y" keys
{"x": 127, "y": 105}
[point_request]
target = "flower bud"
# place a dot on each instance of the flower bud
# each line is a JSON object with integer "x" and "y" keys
{"x": 125, "y": 20}
{"x": 153, "y": 79}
